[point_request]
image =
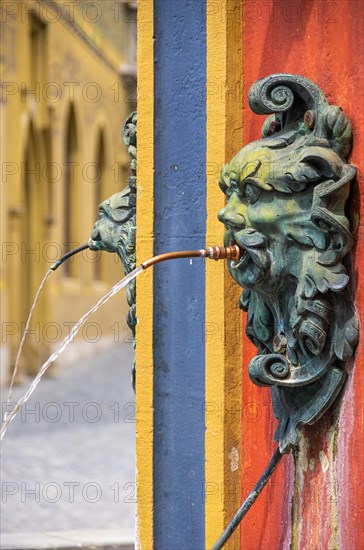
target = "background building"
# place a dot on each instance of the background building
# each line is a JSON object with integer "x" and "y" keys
{"x": 68, "y": 82}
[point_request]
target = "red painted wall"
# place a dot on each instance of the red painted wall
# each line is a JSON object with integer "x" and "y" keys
{"x": 322, "y": 40}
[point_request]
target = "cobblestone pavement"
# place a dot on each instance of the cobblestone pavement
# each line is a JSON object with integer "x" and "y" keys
{"x": 67, "y": 461}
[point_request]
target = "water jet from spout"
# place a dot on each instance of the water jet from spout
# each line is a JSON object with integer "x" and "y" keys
{"x": 15, "y": 370}
{"x": 41, "y": 286}
{"x": 214, "y": 253}
{"x": 118, "y": 286}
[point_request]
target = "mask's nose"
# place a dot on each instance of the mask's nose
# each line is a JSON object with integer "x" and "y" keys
{"x": 95, "y": 242}
{"x": 95, "y": 235}
{"x": 232, "y": 214}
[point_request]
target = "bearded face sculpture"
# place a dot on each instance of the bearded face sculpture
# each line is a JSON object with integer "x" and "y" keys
{"x": 286, "y": 209}
{"x": 115, "y": 229}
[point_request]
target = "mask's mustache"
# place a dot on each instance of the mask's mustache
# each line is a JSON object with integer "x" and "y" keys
{"x": 97, "y": 245}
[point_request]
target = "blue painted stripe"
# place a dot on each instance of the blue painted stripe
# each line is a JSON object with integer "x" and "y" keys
{"x": 179, "y": 288}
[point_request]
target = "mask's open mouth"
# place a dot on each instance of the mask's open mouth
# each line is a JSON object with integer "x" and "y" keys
{"x": 243, "y": 252}
{"x": 252, "y": 246}
{"x": 236, "y": 265}
{"x": 93, "y": 245}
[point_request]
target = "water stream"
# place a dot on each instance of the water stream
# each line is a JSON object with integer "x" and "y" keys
{"x": 15, "y": 370}
{"x": 214, "y": 253}
{"x": 116, "y": 288}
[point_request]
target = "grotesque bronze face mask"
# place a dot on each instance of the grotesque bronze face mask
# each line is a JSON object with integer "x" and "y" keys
{"x": 115, "y": 229}
{"x": 286, "y": 198}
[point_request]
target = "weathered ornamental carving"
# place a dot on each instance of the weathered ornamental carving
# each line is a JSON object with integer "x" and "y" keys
{"x": 287, "y": 209}
{"x": 115, "y": 230}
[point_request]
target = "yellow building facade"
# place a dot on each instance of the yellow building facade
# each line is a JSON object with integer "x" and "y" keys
{"x": 68, "y": 83}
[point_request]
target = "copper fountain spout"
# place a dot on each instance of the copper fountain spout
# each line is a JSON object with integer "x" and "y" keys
{"x": 213, "y": 252}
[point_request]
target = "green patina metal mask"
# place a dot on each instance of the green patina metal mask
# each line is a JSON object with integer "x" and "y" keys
{"x": 287, "y": 195}
{"x": 115, "y": 229}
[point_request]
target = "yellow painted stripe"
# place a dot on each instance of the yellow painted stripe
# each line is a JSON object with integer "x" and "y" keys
{"x": 144, "y": 348}
{"x": 223, "y": 317}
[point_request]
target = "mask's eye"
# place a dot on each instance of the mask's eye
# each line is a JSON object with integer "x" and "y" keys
{"x": 231, "y": 188}
{"x": 252, "y": 193}
{"x": 222, "y": 186}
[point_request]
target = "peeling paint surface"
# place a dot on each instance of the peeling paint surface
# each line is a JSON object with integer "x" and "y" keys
{"x": 324, "y": 462}
{"x": 233, "y": 456}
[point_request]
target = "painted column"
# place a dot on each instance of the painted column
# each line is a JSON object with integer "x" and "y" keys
{"x": 187, "y": 372}
{"x": 223, "y": 332}
{"x": 189, "y": 333}
{"x": 179, "y": 292}
{"x": 144, "y": 289}
{"x": 315, "y": 499}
